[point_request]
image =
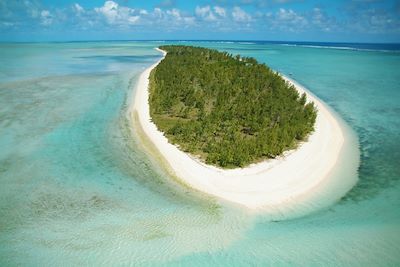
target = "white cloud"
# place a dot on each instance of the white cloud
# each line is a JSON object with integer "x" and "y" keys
{"x": 112, "y": 15}
{"x": 287, "y": 15}
{"x": 118, "y": 15}
{"x": 375, "y": 21}
{"x": 158, "y": 12}
{"x": 174, "y": 13}
{"x": 133, "y": 19}
{"x": 109, "y": 10}
{"x": 205, "y": 13}
{"x": 239, "y": 15}
{"x": 287, "y": 19}
{"x": 8, "y": 24}
{"x": 169, "y": 19}
{"x": 220, "y": 11}
{"x": 78, "y": 8}
{"x": 321, "y": 21}
{"x": 45, "y": 13}
{"x": 175, "y": 16}
{"x": 46, "y": 18}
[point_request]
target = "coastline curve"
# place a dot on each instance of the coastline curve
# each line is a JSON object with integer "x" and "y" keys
{"x": 315, "y": 175}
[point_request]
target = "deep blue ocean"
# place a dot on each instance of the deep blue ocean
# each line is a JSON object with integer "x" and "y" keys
{"x": 389, "y": 47}
{"x": 76, "y": 189}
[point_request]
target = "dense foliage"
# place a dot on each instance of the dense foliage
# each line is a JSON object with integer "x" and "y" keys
{"x": 230, "y": 111}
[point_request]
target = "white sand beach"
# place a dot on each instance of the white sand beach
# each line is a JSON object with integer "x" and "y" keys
{"x": 294, "y": 179}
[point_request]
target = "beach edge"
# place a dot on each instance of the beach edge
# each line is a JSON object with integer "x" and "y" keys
{"x": 259, "y": 186}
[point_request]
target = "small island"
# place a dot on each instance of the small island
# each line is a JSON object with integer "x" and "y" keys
{"x": 228, "y": 111}
{"x": 235, "y": 129}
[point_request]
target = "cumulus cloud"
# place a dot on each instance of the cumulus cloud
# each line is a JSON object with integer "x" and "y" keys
{"x": 78, "y": 8}
{"x": 116, "y": 14}
{"x": 239, "y": 15}
{"x": 322, "y": 21}
{"x": 158, "y": 12}
{"x": 224, "y": 16}
{"x": 205, "y": 13}
{"x": 169, "y": 19}
{"x": 109, "y": 10}
{"x": 288, "y": 20}
{"x": 375, "y": 21}
{"x": 46, "y": 18}
{"x": 174, "y": 13}
{"x": 289, "y": 15}
{"x": 220, "y": 11}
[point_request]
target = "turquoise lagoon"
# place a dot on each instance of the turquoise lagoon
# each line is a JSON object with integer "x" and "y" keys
{"x": 77, "y": 190}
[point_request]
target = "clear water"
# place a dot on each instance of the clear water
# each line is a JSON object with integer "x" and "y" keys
{"x": 75, "y": 189}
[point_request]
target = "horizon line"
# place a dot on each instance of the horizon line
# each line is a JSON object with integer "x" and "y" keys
{"x": 197, "y": 40}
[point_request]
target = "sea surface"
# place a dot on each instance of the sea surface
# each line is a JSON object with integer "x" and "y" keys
{"x": 76, "y": 189}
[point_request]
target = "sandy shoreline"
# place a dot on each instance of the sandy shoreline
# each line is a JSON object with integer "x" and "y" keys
{"x": 293, "y": 180}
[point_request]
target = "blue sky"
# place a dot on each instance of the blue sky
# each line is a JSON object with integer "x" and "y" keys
{"x": 282, "y": 20}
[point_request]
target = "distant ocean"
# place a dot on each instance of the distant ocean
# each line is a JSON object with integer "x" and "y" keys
{"x": 76, "y": 189}
{"x": 389, "y": 47}
{"x": 350, "y": 46}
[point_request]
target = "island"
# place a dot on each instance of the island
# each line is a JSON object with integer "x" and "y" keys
{"x": 235, "y": 129}
{"x": 228, "y": 111}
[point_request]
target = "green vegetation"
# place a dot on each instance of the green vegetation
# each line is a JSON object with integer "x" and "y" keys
{"x": 228, "y": 110}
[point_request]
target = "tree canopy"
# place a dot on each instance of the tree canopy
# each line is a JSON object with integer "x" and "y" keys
{"x": 229, "y": 111}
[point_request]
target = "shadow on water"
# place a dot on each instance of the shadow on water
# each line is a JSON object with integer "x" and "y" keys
{"x": 125, "y": 59}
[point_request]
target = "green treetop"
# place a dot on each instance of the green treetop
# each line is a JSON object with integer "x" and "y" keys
{"x": 229, "y": 111}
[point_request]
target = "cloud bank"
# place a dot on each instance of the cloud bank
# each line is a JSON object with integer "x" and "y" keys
{"x": 249, "y": 16}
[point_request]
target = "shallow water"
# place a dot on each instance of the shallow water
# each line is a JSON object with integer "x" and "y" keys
{"x": 77, "y": 190}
